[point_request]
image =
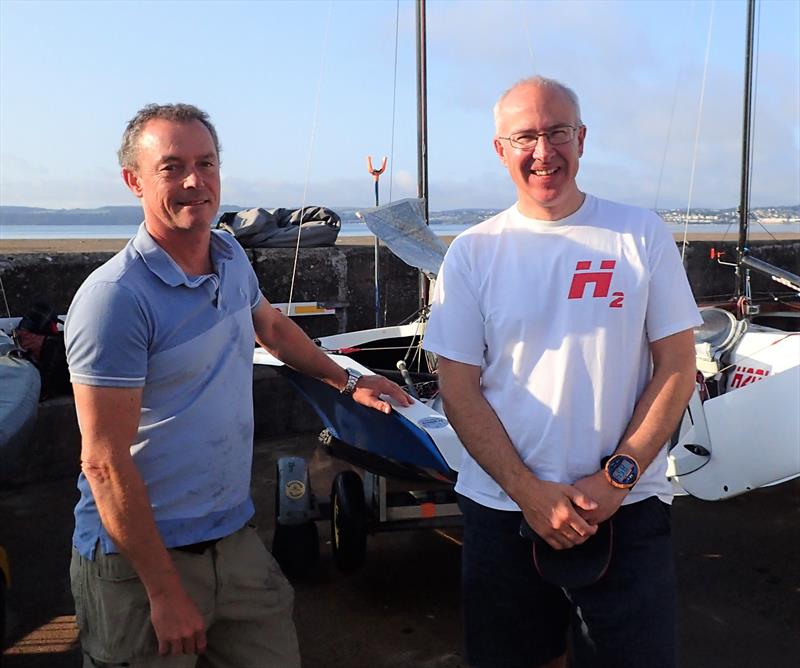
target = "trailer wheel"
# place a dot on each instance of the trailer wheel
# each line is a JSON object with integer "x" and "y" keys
{"x": 348, "y": 521}
{"x": 295, "y": 543}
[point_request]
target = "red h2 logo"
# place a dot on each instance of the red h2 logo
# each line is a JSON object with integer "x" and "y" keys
{"x": 601, "y": 280}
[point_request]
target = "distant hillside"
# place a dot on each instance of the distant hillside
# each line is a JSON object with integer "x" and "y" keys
{"x": 765, "y": 214}
{"x": 132, "y": 215}
{"x": 107, "y": 215}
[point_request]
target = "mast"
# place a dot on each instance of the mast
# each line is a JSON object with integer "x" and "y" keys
{"x": 744, "y": 193}
{"x": 422, "y": 131}
{"x": 744, "y": 261}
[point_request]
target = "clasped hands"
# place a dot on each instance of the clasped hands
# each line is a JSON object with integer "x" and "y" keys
{"x": 567, "y": 515}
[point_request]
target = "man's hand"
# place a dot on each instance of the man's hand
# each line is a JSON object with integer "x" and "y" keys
{"x": 608, "y": 498}
{"x": 370, "y": 388}
{"x": 178, "y": 624}
{"x": 555, "y": 513}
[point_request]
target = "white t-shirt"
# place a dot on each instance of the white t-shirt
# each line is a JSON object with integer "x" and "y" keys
{"x": 558, "y": 315}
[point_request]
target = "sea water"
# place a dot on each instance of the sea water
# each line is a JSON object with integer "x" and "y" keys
{"x": 348, "y": 230}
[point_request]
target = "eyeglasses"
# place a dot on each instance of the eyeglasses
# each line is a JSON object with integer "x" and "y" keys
{"x": 527, "y": 141}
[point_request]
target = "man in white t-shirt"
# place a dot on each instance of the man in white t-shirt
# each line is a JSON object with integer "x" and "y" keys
{"x": 563, "y": 327}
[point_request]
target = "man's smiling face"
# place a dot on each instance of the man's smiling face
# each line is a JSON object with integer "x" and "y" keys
{"x": 544, "y": 176}
{"x": 176, "y": 176}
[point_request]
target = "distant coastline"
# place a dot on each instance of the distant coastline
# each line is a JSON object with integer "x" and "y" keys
{"x": 30, "y": 229}
{"x": 132, "y": 215}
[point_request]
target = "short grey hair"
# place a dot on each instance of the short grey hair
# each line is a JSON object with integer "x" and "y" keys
{"x": 538, "y": 82}
{"x": 180, "y": 113}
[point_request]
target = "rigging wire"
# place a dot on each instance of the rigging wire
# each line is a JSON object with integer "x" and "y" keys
{"x": 753, "y": 107}
{"x": 797, "y": 105}
{"x": 754, "y": 103}
{"x": 314, "y": 119}
{"x": 394, "y": 100}
{"x": 391, "y": 148}
{"x": 697, "y": 129}
{"x": 678, "y": 79}
{"x": 527, "y": 32}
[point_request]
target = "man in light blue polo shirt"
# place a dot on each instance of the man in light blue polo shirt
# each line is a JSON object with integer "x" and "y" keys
{"x": 159, "y": 343}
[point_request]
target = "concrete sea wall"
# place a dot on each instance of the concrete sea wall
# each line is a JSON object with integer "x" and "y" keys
{"x": 339, "y": 276}
{"x": 342, "y": 277}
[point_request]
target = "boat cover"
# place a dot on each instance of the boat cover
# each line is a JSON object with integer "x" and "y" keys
{"x": 279, "y": 228}
{"x": 19, "y": 402}
{"x": 401, "y": 226}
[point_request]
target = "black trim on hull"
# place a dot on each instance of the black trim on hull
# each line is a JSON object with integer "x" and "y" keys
{"x": 379, "y": 465}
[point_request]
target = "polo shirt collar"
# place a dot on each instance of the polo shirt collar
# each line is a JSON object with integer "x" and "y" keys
{"x": 159, "y": 262}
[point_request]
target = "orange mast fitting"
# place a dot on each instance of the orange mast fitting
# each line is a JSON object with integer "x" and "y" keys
{"x": 376, "y": 173}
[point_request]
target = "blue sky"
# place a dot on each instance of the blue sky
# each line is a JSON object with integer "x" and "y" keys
{"x": 301, "y": 92}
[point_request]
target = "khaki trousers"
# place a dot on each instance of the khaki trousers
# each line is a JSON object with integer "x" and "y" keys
{"x": 236, "y": 584}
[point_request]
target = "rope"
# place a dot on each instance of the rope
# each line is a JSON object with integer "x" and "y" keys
{"x": 697, "y": 129}
{"x": 314, "y": 119}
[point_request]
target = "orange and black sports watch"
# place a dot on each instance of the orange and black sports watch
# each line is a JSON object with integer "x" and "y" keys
{"x": 622, "y": 471}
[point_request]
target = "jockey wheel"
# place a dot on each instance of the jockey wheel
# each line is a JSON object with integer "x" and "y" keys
{"x": 295, "y": 544}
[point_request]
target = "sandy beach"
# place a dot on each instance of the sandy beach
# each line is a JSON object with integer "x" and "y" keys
{"x": 113, "y": 245}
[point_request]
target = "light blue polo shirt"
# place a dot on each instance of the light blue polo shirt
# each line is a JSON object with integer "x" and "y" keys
{"x": 140, "y": 321}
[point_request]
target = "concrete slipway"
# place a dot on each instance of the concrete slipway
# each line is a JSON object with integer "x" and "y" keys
{"x": 738, "y": 564}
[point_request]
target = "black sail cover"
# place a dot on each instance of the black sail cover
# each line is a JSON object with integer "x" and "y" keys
{"x": 278, "y": 228}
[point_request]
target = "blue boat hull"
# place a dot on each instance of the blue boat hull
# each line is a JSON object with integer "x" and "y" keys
{"x": 389, "y": 445}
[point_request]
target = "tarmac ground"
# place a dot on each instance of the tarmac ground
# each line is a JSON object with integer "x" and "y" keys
{"x": 738, "y": 566}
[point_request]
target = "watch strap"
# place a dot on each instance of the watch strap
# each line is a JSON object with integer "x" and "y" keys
{"x": 352, "y": 380}
{"x": 621, "y": 458}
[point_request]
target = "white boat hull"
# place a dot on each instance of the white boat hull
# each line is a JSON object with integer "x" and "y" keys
{"x": 749, "y": 436}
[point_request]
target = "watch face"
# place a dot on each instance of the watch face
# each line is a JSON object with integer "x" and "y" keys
{"x": 623, "y": 470}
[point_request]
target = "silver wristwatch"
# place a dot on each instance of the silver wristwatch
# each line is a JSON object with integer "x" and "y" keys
{"x": 352, "y": 380}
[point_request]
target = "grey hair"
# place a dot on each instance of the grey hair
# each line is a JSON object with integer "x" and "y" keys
{"x": 538, "y": 82}
{"x": 181, "y": 113}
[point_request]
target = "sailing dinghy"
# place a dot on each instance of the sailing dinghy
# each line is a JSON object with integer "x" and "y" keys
{"x": 410, "y": 457}
{"x": 741, "y": 430}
